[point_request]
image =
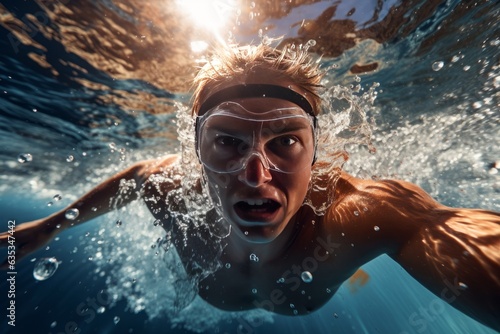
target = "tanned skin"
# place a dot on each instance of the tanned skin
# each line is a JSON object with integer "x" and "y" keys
{"x": 453, "y": 252}
{"x": 439, "y": 246}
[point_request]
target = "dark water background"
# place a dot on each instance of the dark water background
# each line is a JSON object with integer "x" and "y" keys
{"x": 88, "y": 87}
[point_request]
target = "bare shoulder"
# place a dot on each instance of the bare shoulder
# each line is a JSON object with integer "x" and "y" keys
{"x": 380, "y": 213}
{"x": 388, "y": 192}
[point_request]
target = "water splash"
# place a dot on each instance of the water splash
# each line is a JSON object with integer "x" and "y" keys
{"x": 343, "y": 123}
{"x": 153, "y": 279}
{"x": 163, "y": 287}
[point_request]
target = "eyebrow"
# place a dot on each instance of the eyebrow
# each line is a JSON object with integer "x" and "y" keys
{"x": 225, "y": 129}
{"x": 292, "y": 128}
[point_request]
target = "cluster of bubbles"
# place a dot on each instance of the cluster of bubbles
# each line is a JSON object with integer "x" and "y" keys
{"x": 343, "y": 123}
{"x": 143, "y": 268}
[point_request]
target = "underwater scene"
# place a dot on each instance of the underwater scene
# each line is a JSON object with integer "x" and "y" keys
{"x": 88, "y": 88}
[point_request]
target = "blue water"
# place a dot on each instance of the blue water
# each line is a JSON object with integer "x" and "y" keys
{"x": 89, "y": 87}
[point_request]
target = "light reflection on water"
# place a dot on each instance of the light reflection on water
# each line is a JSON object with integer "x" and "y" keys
{"x": 101, "y": 80}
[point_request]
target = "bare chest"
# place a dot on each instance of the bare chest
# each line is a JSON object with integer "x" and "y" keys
{"x": 300, "y": 282}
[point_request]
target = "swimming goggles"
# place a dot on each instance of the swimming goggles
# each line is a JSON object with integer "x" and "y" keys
{"x": 228, "y": 137}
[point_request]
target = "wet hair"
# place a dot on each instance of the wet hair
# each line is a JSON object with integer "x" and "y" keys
{"x": 241, "y": 62}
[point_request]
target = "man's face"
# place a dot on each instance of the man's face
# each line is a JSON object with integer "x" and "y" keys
{"x": 258, "y": 169}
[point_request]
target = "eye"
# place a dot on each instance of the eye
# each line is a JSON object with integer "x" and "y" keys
{"x": 286, "y": 141}
{"x": 227, "y": 141}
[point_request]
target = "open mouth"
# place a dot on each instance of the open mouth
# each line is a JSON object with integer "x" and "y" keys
{"x": 256, "y": 209}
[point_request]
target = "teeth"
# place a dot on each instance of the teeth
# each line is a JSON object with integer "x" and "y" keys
{"x": 257, "y": 201}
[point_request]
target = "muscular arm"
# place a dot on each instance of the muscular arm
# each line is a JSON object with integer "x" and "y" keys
{"x": 453, "y": 252}
{"x": 116, "y": 192}
{"x": 457, "y": 256}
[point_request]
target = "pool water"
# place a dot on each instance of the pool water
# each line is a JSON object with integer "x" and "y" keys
{"x": 89, "y": 87}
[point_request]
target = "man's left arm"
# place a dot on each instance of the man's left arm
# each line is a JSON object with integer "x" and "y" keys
{"x": 454, "y": 252}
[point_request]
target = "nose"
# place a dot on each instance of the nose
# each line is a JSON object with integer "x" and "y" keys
{"x": 255, "y": 172}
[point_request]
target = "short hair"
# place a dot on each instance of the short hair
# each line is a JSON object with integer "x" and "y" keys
{"x": 229, "y": 63}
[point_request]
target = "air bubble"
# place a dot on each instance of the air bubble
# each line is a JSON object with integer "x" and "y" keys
{"x": 254, "y": 291}
{"x": 57, "y": 197}
{"x": 71, "y": 214}
{"x": 477, "y": 105}
{"x": 101, "y": 309}
{"x": 436, "y": 66}
{"x": 70, "y": 158}
{"x": 376, "y": 228}
{"x": 45, "y": 268}
{"x": 310, "y": 43}
{"x": 462, "y": 286}
{"x": 24, "y": 158}
{"x": 116, "y": 320}
{"x": 118, "y": 223}
{"x": 306, "y": 276}
{"x": 254, "y": 258}
{"x": 356, "y": 213}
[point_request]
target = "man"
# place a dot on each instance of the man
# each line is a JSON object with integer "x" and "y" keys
{"x": 255, "y": 136}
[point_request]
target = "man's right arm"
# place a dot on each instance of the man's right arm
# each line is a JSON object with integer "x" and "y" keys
{"x": 116, "y": 192}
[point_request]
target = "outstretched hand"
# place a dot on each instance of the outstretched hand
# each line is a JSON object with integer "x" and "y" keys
{"x": 27, "y": 238}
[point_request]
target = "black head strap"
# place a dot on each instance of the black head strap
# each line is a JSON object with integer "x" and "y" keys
{"x": 255, "y": 90}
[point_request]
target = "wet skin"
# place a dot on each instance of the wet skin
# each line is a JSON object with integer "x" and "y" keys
{"x": 258, "y": 202}
{"x": 439, "y": 246}
{"x": 368, "y": 218}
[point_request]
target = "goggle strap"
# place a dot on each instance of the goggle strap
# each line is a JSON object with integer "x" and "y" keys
{"x": 255, "y": 90}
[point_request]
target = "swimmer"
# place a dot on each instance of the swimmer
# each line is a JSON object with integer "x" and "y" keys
{"x": 256, "y": 129}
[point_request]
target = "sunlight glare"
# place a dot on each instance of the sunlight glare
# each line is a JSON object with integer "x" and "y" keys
{"x": 210, "y": 15}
